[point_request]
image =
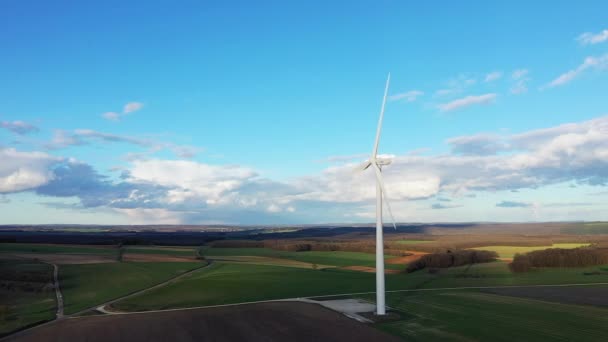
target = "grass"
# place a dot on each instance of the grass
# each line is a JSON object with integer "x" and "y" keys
{"x": 493, "y": 274}
{"x": 50, "y": 249}
{"x": 84, "y": 286}
{"x": 224, "y": 283}
{"x": 509, "y": 252}
{"x": 174, "y": 251}
{"x": 336, "y": 258}
{"x": 476, "y": 316}
{"x": 18, "y": 308}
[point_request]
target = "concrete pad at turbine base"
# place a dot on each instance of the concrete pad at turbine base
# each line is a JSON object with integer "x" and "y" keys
{"x": 352, "y": 308}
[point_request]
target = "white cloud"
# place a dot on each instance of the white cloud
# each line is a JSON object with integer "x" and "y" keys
{"x": 520, "y": 79}
{"x": 63, "y": 139}
{"x": 191, "y": 180}
{"x": 588, "y": 38}
{"x": 456, "y": 85}
{"x": 467, "y": 102}
{"x": 18, "y": 127}
{"x": 21, "y": 171}
{"x": 590, "y": 63}
{"x": 478, "y": 144}
{"x": 112, "y": 116}
{"x": 128, "y": 108}
{"x": 493, "y": 76}
{"x": 273, "y": 208}
{"x": 132, "y": 107}
{"x": 192, "y": 192}
{"x": 409, "y": 96}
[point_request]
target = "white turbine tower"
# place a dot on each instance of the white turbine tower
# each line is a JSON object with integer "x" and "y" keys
{"x": 377, "y": 163}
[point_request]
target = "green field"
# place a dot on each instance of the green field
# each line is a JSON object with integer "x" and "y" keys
{"x": 18, "y": 307}
{"x": 84, "y": 286}
{"x": 509, "y": 252}
{"x": 476, "y": 316}
{"x": 224, "y": 283}
{"x": 50, "y": 249}
{"x": 495, "y": 274}
{"x": 174, "y": 251}
{"x": 336, "y": 258}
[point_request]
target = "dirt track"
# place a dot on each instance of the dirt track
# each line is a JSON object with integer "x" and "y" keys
{"x": 278, "y": 321}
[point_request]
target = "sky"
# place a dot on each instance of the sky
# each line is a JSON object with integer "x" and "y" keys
{"x": 192, "y": 112}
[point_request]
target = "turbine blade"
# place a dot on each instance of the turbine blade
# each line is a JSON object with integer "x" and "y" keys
{"x": 364, "y": 166}
{"x": 384, "y": 194}
{"x": 379, "y": 129}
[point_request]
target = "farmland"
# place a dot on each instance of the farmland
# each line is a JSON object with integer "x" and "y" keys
{"x": 25, "y": 296}
{"x": 232, "y": 283}
{"x": 472, "y": 315}
{"x": 84, "y": 286}
{"x": 278, "y": 267}
{"x": 336, "y": 258}
{"x": 508, "y": 252}
{"x": 54, "y": 249}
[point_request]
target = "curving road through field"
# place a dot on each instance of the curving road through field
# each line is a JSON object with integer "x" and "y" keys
{"x": 58, "y": 294}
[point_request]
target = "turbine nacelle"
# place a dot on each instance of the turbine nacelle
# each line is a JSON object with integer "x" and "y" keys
{"x": 378, "y": 161}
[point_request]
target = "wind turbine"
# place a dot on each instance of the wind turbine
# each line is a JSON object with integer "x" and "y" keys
{"x": 377, "y": 163}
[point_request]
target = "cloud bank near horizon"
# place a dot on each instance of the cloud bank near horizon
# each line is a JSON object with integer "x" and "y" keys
{"x": 186, "y": 191}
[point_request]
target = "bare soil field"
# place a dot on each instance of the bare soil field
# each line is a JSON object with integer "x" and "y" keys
{"x": 597, "y": 296}
{"x": 64, "y": 259}
{"x": 137, "y": 257}
{"x": 260, "y": 260}
{"x": 278, "y": 321}
{"x": 406, "y": 259}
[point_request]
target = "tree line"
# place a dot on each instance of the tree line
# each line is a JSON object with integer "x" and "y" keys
{"x": 451, "y": 259}
{"x": 559, "y": 257}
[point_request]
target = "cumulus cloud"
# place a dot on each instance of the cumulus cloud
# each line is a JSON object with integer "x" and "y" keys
{"x": 467, "y": 102}
{"x": 128, "y": 108}
{"x": 589, "y": 64}
{"x": 188, "y": 192}
{"x": 590, "y": 38}
{"x": 18, "y": 127}
{"x": 21, "y": 171}
{"x": 408, "y": 96}
{"x": 479, "y": 144}
{"x": 493, "y": 76}
{"x": 513, "y": 204}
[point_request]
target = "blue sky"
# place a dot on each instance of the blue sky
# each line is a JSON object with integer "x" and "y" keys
{"x": 233, "y": 112}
